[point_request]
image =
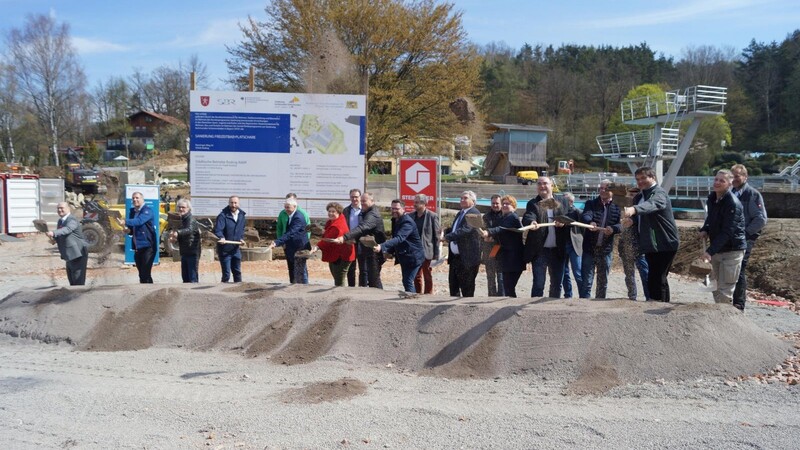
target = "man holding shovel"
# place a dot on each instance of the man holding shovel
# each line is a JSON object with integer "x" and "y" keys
{"x": 724, "y": 227}
{"x": 71, "y": 245}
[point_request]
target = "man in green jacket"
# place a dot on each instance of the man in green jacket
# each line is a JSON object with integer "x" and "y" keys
{"x": 283, "y": 218}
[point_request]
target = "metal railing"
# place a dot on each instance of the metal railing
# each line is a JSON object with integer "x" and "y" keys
{"x": 630, "y": 143}
{"x": 701, "y": 98}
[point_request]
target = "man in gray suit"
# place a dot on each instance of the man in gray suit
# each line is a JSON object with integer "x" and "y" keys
{"x": 71, "y": 245}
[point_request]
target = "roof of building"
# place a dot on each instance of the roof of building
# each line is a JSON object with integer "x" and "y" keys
{"x": 162, "y": 117}
{"x": 520, "y": 127}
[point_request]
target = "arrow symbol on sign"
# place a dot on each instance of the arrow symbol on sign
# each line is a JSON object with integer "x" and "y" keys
{"x": 418, "y": 177}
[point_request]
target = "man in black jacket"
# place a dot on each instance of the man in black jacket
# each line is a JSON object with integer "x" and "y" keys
{"x": 464, "y": 256}
{"x": 598, "y": 242}
{"x": 546, "y": 243}
{"x": 724, "y": 226}
{"x": 755, "y": 218}
{"x": 370, "y": 224}
{"x": 188, "y": 238}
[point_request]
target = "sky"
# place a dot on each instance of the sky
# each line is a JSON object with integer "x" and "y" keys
{"x": 113, "y": 38}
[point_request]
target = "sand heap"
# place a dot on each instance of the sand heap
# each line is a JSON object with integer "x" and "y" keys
{"x": 590, "y": 345}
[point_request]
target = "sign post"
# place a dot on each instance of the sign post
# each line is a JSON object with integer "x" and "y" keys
{"x": 419, "y": 176}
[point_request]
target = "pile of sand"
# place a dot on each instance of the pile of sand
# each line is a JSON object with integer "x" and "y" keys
{"x": 590, "y": 345}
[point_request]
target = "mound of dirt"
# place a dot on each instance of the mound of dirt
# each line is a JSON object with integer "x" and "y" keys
{"x": 589, "y": 345}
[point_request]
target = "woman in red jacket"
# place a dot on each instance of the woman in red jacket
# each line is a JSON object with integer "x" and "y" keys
{"x": 338, "y": 256}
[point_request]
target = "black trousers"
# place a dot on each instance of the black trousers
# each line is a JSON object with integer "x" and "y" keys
{"x": 76, "y": 270}
{"x": 361, "y": 259}
{"x": 373, "y": 262}
{"x": 659, "y": 263}
{"x": 740, "y": 293}
{"x": 461, "y": 277}
{"x": 144, "y": 263}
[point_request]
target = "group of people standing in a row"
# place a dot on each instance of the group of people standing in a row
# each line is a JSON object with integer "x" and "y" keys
{"x": 355, "y": 243}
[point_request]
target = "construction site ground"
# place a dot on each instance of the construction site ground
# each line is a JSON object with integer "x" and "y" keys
{"x": 265, "y": 364}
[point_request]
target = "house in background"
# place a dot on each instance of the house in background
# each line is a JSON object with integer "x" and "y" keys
{"x": 144, "y": 126}
{"x": 515, "y": 148}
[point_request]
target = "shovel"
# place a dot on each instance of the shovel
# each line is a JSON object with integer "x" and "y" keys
{"x": 474, "y": 220}
{"x": 41, "y": 226}
{"x": 701, "y": 268}
{"x": 566, "y": 220}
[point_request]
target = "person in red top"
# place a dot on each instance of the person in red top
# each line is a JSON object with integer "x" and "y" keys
{"x": 338, "y": 256}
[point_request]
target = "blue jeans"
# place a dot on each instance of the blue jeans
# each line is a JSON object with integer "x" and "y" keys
{"x": 298, "y": 271}
{"x": 602, "y": 262}
{"x": 409, "y": 272}
{"x": 231, "y": 262}
{"x": 574, "y": 260}
{"x": 189, "y": 265}
{"x": 547, "y": 262}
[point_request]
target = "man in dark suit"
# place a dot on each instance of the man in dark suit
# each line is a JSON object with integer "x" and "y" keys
{"x": 464, "y": 257}
{"x": 405, "y": 244}
{"x": 351, "y": 214}
{"x": 71, "y": 245}
{"x": 370, "y": 224}
{"x": 294, "y": 239}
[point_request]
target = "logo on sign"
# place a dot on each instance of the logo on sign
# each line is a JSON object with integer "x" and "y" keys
{"x": 205, "y": 100}
{"x": 418, "y": 177}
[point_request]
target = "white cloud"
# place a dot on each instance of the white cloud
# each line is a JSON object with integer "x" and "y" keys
{"x": 86, "y": 46}
{"x": 697, "y": 9}
{"x": 216, "y": 34}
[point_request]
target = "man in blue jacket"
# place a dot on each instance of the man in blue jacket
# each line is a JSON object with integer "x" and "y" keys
{"x": 293, "y": 239}
{"x": 405, "y": 244}
{"x": 598, "y": 242}
{"x": 229, "y": 228}
{"x": 143, "y": 233}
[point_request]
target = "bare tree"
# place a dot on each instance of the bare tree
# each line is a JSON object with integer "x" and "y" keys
{"x": 8, "y": 109}
{"x": 48, "y": 73}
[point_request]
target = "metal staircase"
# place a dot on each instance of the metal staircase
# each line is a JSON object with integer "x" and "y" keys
{"x": 650, "y": 147}
{"x": 790, "y": 171}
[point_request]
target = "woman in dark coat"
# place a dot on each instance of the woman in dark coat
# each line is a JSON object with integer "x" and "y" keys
{"x": 511, "y": 255}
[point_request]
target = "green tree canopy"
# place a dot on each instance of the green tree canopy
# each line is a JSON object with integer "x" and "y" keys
{"x": 412, "y": 55}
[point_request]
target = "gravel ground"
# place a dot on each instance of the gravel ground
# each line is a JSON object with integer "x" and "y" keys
{"x": 56, "y": 397}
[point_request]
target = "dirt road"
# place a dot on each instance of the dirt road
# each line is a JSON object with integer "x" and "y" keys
{"x": 264, "y": 365}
